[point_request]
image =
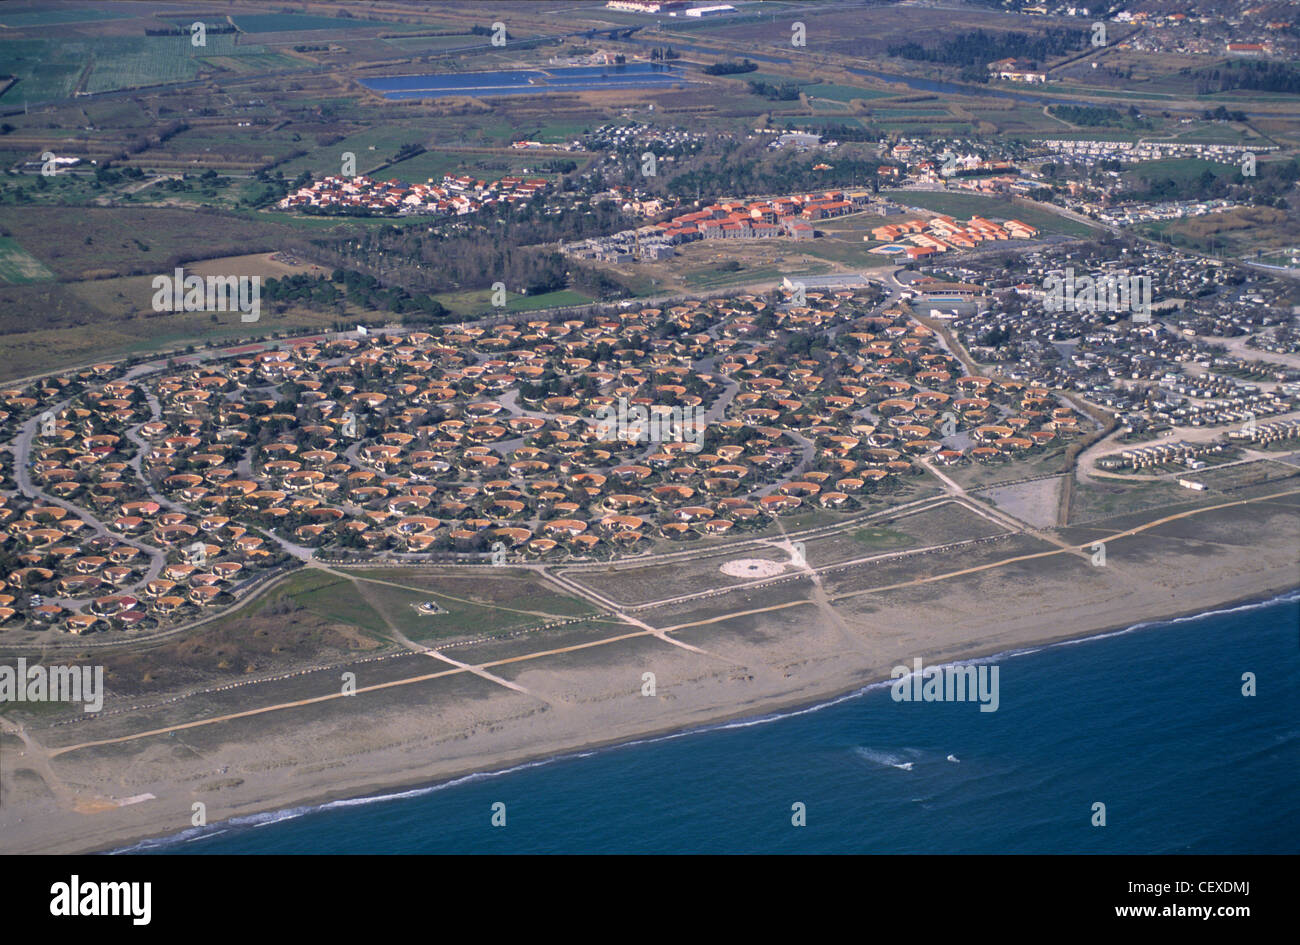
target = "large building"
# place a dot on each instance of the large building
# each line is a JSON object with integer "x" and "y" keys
{"x": 647, "y": 6}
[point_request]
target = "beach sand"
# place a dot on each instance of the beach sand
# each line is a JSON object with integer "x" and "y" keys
{"x": 793, "y": 644}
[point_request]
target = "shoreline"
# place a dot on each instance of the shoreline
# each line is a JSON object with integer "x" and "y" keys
{"x": 807, "y": 702}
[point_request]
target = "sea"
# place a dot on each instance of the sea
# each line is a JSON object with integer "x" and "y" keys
{"x": 1154, "y": 722}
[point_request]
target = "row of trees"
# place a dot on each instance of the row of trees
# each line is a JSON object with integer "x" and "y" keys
{"x": 731, "y": 68}
{"x": 1257, "y": 76}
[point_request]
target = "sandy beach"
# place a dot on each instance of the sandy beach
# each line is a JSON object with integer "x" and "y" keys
{"x": 416, "y": 721}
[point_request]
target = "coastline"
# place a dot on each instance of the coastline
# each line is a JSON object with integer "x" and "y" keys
{"x": 293, "y": 766}
{"x": 775, "y": 713}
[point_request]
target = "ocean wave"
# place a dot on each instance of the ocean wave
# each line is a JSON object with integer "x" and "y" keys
{"x": 267, "y": 818}
{"x": 885, "y": 758}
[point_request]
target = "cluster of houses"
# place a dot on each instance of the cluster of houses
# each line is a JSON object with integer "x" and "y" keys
{"x": 1138, "y": 370}
{"x": 456, "y": 195}
{"x": 787, "y": 217}
{"x": 1267, "y": 433}
{"x": 1212, "y": 401}
{"x": 635, "y": 138}
{"x": 188, "y": 481}
{"x": 132, "y": 559}
{"x": 1157, "y": 455}
{"x": 937, "y": 165}
{"x": 941, "y": 233}
{"x": 1088, "y": 152}
{"x": 1000, "y": 184}
{"x": 1131, "y": 213}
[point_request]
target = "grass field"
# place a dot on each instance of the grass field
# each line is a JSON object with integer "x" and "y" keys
{"x": 435, "y": 164}
{"x": 880, "y": 539}
{"x": 19, "y": 266}
{"x": 771, "y": 78}
{"x": 372, "y": 147}
{"x": 850, "y": 251}
{"x": 479, "y": 302}
{"x": 472, "y": 603}
{"x": 1182, "y": 169}
{"x": 843, "y": 93}
{"x": 822, "y": 121}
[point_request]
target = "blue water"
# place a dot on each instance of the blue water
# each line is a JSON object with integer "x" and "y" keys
{"x": 525, "y": 81}
{"x": 1150, "y": 721}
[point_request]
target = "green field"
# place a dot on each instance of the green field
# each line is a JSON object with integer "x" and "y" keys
{"x": 39, "y": 75}
{"x": 48, "y": 69}
{"x": 18, "y": 266}
{"x": 879, "y": 539}
{"x": 1182, "y": 169}
{"x": 843, "y": 93}
{"x": 373, "y": 601}
{"x": 479, "y": 302}
{"x": 372, "y": 147}
{"x": 823, "y": 121}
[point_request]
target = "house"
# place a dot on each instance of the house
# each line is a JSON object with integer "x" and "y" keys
{"x": 1017, "y": 70}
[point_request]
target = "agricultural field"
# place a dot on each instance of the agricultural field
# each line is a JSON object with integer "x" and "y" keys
{"x": 842, "y": 93}
{"x": 135, "y": 62}
{"x": 40, "y": 77}
{"x": 816, "y": 123}
{"x": 69, "y": 188}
